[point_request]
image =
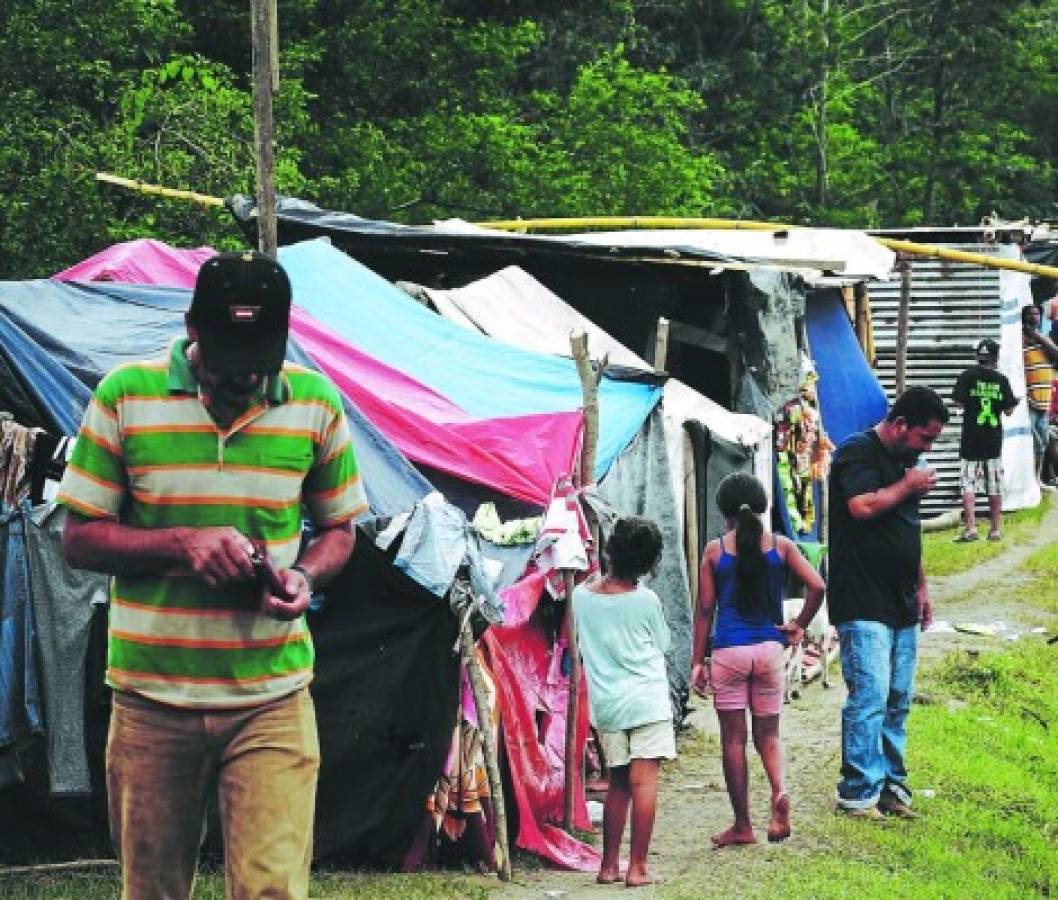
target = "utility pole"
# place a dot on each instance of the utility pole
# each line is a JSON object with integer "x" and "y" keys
{"x": 265, "y": 82}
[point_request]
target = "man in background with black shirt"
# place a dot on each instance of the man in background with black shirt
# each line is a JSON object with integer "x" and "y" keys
{"x": 877, "y": 596}
{"x": 983, "y": 393}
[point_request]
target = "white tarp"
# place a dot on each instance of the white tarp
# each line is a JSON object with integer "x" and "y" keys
{"x": 851, "y": 255}
{"x": 512, "y": 306}
{"x": 1020, "y": 487}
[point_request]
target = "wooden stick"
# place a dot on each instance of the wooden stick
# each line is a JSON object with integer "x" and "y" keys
{"x": 572, "y": 710}
{"x": 904, "y": 265}
{"x": 589, "y": 382}
{"x": 71, "y": 866}
{"x": 489, "y": 746}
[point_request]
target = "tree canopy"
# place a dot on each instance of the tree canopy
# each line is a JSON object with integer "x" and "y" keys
{"x": 858, "y": 113}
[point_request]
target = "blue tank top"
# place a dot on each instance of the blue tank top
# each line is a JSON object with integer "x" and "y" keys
{"x": 732, "y": 628}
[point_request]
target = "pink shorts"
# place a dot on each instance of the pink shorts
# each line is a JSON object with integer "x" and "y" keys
{"x": 750, "y": 677}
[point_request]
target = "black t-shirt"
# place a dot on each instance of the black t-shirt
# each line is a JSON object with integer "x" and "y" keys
{"x": 984, "y": 394}
{"x": 874, "y": 563}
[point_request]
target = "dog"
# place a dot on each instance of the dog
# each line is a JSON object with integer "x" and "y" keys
{"x": 820, "y": 642}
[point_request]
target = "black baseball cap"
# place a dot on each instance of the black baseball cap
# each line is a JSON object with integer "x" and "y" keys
{"x": 241, "y": 309}
{"x": 988, "y": 347}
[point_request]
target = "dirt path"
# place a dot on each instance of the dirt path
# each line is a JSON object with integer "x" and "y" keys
{"x": 693, "y": 803}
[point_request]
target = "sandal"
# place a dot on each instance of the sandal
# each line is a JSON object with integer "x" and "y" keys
{"x": 967, "y": 537}
{"x": 995, "y": 536}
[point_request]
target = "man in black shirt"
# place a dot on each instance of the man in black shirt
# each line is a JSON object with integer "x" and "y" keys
{"x": 877, "y": 595}
{"x": 983, "y": 393}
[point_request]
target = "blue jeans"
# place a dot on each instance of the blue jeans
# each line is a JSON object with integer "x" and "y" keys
{"x": 878, "y": 664}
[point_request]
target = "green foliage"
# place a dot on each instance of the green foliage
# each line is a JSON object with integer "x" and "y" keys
{"x": 833, "y": 112}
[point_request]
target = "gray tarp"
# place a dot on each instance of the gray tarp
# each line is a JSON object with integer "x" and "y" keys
{"x": 638, "y": 484}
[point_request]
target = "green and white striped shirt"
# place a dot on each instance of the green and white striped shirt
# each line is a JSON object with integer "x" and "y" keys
{"x": 150, "y": 456}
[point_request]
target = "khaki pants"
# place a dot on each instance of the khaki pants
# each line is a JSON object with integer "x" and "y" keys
{"x": 161, "y": 764}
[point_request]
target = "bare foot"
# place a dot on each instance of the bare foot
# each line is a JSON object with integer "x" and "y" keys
{"x": 734, "y": 836}
{"x": 779, "y": 829}
{"x": 608, "y": 875}
{"x": 639, "y": 877}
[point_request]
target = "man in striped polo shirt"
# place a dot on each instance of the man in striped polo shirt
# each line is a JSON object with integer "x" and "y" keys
{"x": 1040, "y": 357}
{"x": 188, "y": 472}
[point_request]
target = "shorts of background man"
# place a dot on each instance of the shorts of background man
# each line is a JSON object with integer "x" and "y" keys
{"x": 977, "y": 475}
{"x": 878, "y": 665}
{"x": 655, "y": 740}
{"x": 750, "y": 677}
{"x": 264, "y": 759}
{"x": 1039, "y": 420}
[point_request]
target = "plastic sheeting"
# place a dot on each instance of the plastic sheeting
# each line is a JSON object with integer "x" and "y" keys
{"x": 519, "y": 455}
{"x": 533, "y": 693}
{"x": 638, "y": 484}
{"x": 65, "y": 337}
{"x": 382, "y": 321}
{"x": 1020, "y": 487}
{"x": 143, "y": 261}
{"x": 851, "y": 398}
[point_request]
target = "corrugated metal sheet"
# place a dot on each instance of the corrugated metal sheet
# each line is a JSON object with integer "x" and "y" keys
{"x": 953, "y": 306}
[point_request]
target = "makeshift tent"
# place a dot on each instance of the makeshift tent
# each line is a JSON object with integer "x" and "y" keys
{"x": 66, "y": 327}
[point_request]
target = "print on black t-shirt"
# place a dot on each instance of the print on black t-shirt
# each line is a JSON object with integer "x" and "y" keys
{"x": 984, "y": 394}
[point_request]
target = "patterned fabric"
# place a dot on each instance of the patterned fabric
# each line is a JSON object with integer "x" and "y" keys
{"x": 149, "y": 454}
{"x": 1039, "y": 376}
{"x": 976, "y": 475}
{"x": 16, "y": 453}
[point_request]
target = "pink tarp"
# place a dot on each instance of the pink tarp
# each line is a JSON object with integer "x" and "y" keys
{"x": 533, "y": 695}
{"x": 144, "y": 261}
{"x": 521, "y": 456}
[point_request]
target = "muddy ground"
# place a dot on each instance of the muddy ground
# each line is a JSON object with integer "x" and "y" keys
{"x": 693, "y": 803}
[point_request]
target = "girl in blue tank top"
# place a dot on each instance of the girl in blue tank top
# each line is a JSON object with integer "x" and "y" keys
{"x": 742, "y": 582}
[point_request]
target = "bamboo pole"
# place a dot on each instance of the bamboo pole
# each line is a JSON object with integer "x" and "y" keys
{"x": 665, "y": 222}
{"x": 142, "y": 187}
{"x": 660, "y": 222}
{"x": 489, "y": 747}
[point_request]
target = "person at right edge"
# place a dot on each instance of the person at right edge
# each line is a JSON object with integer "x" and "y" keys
{"x": 878, "y": 597}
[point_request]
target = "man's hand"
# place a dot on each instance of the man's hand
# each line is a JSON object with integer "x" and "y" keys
{"x": 294, "y": 603}
{"x": 702, "y": 679}
{"x": 925, "y": 608}
{"x": 920, "y": 481}
{"x": 217, "y": 555}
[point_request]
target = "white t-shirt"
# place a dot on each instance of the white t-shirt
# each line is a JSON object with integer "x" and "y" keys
{"x": 623, "y": 639}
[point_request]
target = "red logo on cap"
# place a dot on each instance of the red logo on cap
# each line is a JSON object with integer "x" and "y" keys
{"x": 242, "y": 314}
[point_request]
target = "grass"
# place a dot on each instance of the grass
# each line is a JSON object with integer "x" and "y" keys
{"x": 210, "y": 886}
{"x": 941, "y": 556}
{"x": 1043, "y": 567}
{"x": 989, "y": 750}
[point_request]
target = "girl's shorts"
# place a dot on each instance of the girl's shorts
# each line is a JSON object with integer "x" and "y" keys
{"x": 656, "y": 740}
{"x": 748, "y": 677}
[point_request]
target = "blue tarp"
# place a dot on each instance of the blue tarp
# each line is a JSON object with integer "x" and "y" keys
{"x": 483, "y": 376}
{"x": 64, "y": 337}
{"x": 851, "y": 399}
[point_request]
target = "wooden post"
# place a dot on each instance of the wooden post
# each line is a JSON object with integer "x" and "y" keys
{"x": 589, "y": 382}
{"x": 691, "y": 539}
{"x": 661, "y": 345}
{"x": 902, "y": 325}
{"x": 572, "y": 711}
{"x": 489, "y": 746}
{"x": 263, "y": 87}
